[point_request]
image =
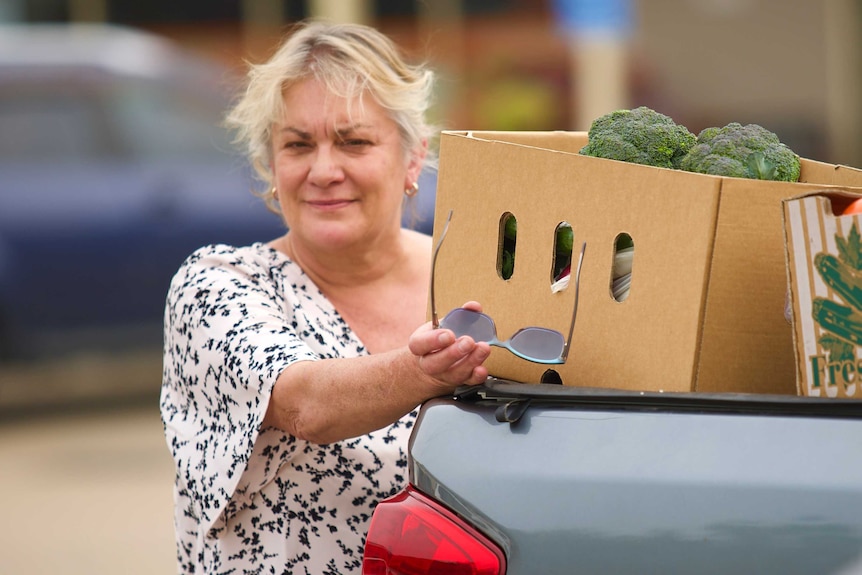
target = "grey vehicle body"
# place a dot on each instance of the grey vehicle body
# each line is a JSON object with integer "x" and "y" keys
{"x": 572, "y": 480}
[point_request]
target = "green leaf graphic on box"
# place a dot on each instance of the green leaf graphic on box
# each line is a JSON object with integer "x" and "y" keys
{"x": 850, "y": 249}
{"x": 841, "y": 278}
{"x": 839, "y": 319}
{"x": 838, "y": 349}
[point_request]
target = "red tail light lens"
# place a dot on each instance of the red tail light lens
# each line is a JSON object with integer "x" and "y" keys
{"x": 411, "y": 534}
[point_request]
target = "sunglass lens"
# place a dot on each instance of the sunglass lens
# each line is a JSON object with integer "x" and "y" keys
{"x": 467, "y": 322}
{"x": 538, "y": 343}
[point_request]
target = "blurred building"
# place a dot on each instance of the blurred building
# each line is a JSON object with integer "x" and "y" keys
{"x": 793, "y": 66}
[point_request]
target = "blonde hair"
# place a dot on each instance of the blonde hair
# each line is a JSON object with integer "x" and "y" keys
{"x": 350, "y": 60}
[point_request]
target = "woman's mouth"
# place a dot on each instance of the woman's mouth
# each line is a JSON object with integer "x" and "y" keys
{"x": 328, "y": 205}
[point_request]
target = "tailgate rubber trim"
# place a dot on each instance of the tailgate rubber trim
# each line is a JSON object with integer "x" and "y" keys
{"x": 517, "y": 397}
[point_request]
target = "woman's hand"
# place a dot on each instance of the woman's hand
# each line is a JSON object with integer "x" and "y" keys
{"x": 455, "y": 361}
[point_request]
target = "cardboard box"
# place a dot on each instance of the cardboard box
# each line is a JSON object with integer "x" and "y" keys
{"x": 706, "y": 307}
{"x": 824, "y": 263}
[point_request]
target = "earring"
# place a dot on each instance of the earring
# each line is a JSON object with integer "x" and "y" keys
{"x": 274, "y": 192}
{"x": 412, "y": 190}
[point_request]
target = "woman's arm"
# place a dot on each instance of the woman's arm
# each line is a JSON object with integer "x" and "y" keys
{"x": 333, "y": 399}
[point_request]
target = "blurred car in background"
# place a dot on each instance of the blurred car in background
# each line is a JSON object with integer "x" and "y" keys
{"x": 113, "y": 168}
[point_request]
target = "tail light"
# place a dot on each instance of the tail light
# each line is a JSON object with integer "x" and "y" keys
{"x": 411, "y": 534}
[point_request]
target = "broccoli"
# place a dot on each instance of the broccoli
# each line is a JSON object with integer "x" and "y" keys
{"x": 641, "y": 136}
{"x": 740, "y": 151}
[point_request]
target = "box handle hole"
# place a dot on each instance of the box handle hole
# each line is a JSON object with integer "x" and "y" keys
{"x": 506, "y": 250}
{"x": 621, "y": 271}
{"x": 563, "y": 241}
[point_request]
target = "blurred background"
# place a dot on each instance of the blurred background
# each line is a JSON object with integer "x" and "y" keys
{"x": 114, "y": 167}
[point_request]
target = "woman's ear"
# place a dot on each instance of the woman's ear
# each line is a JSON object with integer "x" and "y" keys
{"x": 417, "y": 161}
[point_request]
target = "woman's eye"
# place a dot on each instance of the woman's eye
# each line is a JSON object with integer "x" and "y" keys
{"x": 355, "y": 143}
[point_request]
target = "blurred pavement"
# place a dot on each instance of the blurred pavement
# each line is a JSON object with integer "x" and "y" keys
{"x": 86, "y": 493}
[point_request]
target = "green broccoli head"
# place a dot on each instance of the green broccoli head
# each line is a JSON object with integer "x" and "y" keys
{"x": 739, "y": 151}
{"x": 640, "y": 136}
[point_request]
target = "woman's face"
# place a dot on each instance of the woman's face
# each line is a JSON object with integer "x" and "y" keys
{"x": 340, "y": 169}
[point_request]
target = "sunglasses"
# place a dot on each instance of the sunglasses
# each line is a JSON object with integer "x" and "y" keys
{"x": 535, "y": 344}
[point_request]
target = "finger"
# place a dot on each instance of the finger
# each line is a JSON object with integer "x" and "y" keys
{"x": 470, "y": 370}
{"x": 478, "y": 376}
{"x": 426, "y": 340}
{"x": 457, "y": 364}
{"x": 473, "y": 306}
{"x": 443, "y": 359}
{"x": 477, "y": 358}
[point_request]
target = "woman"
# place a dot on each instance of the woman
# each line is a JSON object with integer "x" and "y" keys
{"x": 292, "y": 368}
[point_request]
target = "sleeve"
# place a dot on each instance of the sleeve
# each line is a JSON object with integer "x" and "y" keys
{"x": 227, "y": 337}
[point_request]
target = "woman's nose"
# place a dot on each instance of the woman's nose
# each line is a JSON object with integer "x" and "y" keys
{"x": 325, "y": 168}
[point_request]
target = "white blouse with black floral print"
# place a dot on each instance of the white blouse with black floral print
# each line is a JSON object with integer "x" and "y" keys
{"x": 262, "y": 501}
